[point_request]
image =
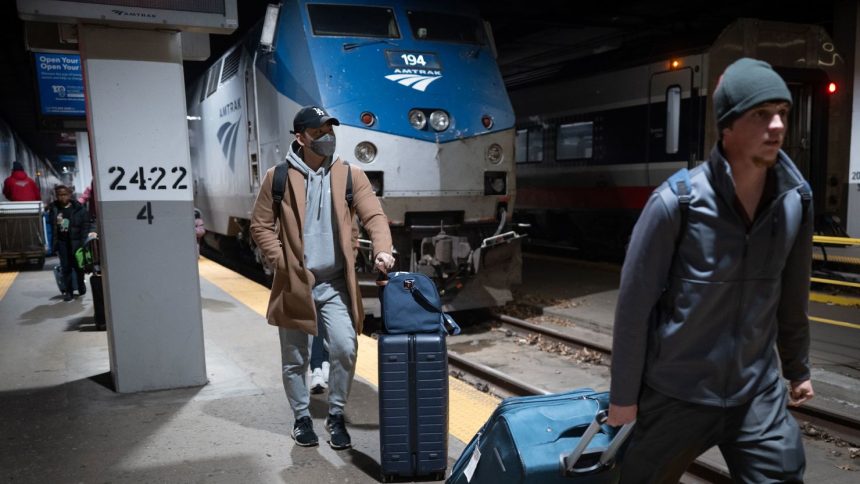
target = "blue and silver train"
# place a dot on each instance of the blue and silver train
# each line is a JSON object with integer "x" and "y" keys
{"x": 423, "y": 110}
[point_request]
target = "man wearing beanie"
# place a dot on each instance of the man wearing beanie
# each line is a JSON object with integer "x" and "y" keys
{"x": 712, "y": 309}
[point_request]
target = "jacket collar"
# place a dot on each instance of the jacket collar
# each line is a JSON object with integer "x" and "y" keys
{"x": 787, "y": 175}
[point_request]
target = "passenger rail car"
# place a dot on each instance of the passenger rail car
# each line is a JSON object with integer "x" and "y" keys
{"x": 423, "y": 111}
{"x": 590, "y": 150}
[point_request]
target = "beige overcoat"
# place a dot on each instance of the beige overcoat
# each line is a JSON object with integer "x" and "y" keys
{"x": 291, "y": 304}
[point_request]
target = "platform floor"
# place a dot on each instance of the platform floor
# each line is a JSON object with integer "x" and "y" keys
{"x": 60, "y": 420}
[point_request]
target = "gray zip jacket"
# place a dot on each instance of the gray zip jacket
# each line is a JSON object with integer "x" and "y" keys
{"x": 705, "y": 325}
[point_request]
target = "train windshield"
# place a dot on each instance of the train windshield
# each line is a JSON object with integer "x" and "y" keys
{"x": 353, "y": 21}
{"x": 446, "y": 27}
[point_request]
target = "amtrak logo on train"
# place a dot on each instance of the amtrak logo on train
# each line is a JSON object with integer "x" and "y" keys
{"x": 417, "y": 79}
{"x": 230, "y": 108}
{"x": 227, "y": 134}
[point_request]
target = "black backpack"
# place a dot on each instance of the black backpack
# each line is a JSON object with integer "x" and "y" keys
{"x": 279, "y": 183}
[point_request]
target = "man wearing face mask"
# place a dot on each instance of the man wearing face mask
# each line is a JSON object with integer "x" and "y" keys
{"x": 308, "y": 238}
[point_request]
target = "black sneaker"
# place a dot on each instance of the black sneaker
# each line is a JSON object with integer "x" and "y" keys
{"x": 338, "y": 436}
{"x": 303, "y": 433}
{"x": 68, "y": 296}
{"x": 82, "y": 289}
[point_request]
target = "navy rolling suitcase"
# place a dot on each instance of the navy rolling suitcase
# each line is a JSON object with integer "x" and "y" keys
{"x": 544, "y": 439}
{"x": 413, "y": 405}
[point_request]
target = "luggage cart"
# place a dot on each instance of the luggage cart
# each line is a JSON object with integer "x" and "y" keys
{"x": 22, "y": 234}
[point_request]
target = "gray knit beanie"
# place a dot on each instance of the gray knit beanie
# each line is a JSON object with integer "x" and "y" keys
{"x": 746, "y": 83}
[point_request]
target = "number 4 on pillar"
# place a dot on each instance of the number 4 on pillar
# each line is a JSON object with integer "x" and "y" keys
{"x": 146, "y": 213}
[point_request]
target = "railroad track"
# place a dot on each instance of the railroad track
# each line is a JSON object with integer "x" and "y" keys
{"x": 498, "y": 383}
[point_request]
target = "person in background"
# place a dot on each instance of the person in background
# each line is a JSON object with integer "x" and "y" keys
{"x": 713, "y": 301}
{"x": 71, "y": 227}
{"x": 319, "y": 362}
{"x": 307, "y": 237}
{"x": 18, "y": 187}
{"x": 199, "y": 228}
{"x": 88, "y": 199}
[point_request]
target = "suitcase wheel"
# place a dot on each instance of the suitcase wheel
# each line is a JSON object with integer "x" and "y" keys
{"x": 439, "y": 476}
{"x": 385, "y": 478}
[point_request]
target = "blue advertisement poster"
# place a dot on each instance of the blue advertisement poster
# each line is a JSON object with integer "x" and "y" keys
{"x": 61, "y": 84}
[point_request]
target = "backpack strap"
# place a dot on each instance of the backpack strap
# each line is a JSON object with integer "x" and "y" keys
{"x": 805, "y": 192}
{"x": 679, "y": 183}
{"x": 348, "y": 185}
{"x": 279, "y": 183}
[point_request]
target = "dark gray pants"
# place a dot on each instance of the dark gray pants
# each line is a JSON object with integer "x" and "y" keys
{"x": 760, "y": 440}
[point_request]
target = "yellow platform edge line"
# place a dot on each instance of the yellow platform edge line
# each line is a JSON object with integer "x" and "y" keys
{"x": 835, "y": 282}
{"x": 835, "y": 323}
{"x": 6, "y": 280}
{"x": 473, "y": 407}
{"x": 846, "y": 301}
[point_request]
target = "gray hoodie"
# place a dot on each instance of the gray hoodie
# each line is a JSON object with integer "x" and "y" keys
{"x": 323, "y": 257}
{"x": 705, "y": 325}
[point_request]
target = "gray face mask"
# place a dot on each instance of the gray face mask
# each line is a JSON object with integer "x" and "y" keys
{"x": 324, "y": 145}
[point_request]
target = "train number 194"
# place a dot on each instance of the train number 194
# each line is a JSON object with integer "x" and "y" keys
{"x": 413, "y": 60}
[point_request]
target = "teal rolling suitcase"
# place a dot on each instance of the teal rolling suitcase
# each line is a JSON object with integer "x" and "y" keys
{"x": 544, "y": 439}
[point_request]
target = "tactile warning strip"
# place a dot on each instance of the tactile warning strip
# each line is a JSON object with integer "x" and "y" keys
{"x": 6, "y": 280}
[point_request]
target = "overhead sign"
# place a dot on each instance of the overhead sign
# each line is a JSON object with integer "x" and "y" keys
{"x": 61, "y": 84}
{"x": 207, "y": 16}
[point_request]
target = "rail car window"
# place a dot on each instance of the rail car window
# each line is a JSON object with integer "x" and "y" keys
{"x": 575, "y": 141}
{"x": 353, "y": 21}
{"x": 673, "y": 118}
{"x": 446, "y": 27}
{"x": 529, "y": 145}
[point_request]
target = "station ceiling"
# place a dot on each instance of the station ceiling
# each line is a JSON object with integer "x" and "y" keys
{"x": 536, "y": 41}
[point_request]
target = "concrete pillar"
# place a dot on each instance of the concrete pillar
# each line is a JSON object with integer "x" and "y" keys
{"x": 136, "y": 117}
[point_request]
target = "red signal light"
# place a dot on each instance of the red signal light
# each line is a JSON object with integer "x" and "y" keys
{"x": 487, "y": 121}
{"x": 368, "y": 118}
{"x": 831, "y": 88}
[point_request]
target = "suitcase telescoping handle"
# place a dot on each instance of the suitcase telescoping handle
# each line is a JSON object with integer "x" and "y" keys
{"x": 607, "y": 454}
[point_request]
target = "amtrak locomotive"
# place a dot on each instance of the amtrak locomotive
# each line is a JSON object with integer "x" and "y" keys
{"x": 423, "y": 110}
{"x": 591, "y": 149}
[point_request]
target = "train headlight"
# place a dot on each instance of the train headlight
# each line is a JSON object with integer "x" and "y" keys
{"x": 495, "y": 153}
{"x": 495, "y": 183}
{"x": 439, "y": 120}
{"x": 365, "y": 152}
{"x": 417, "y": 119}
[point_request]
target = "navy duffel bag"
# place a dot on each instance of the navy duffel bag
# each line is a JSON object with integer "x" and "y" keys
{"x": 411, "y": 304}
{"x": 544, "y": 439}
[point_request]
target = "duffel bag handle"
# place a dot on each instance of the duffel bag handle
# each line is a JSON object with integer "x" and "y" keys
{"x": 607, "y": 454}
{"x": 448, "y": 323}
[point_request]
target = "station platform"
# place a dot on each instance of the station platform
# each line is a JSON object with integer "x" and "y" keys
{"x": 61, "y": 421}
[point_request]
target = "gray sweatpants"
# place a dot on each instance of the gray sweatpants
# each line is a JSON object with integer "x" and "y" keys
{"x": 332, "y": 304}
{"x": 760, "y": 440}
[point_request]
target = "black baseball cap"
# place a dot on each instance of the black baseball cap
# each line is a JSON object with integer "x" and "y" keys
{"x": 311, "y": 117}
